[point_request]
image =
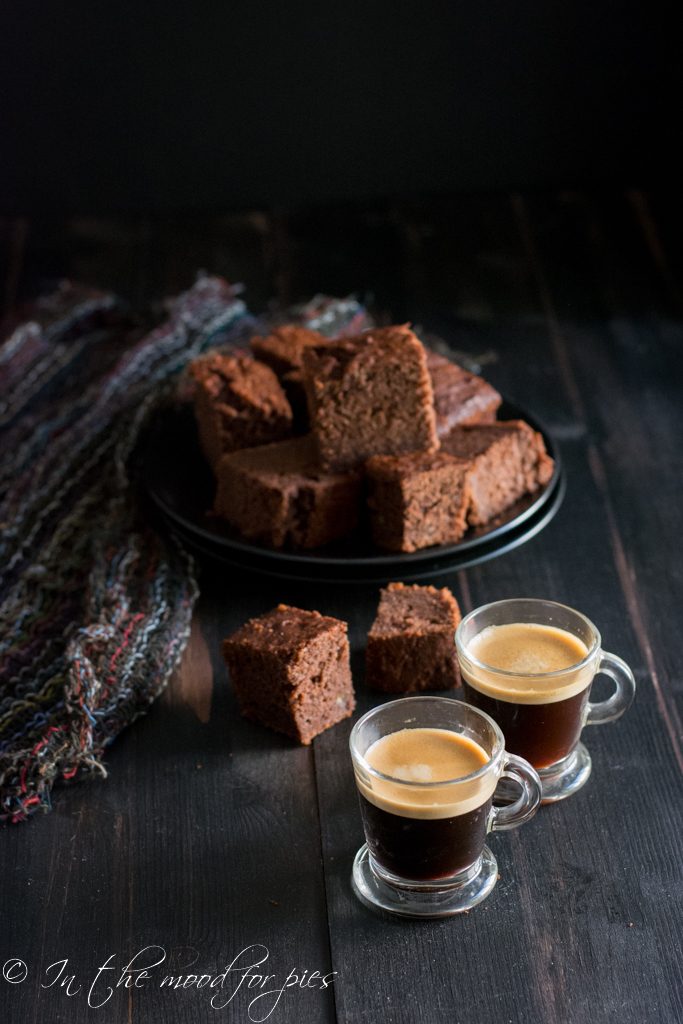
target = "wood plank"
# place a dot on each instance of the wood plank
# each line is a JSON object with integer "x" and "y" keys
{"x": 460, "y": 258}
{"x": 660, "y": 218}
{"x": 632, "y": 380}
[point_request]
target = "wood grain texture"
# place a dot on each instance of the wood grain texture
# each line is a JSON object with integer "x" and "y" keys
{"x": 212, "y": 834}
{"x": 636, "y": 375}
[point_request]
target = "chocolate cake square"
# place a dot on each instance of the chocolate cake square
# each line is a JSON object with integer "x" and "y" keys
{"x": 369, "y": 395}
{"x": 460, "y": 397}
{"x": 508, "y": 460}
{"x": 411, "y": 645}
{"x": 277, "y": 494}
{"x": 290, "y": 671}
{"x": 283, "y": 350}
{"x": 417, "y": 500}
{"x": 238, "y": 403}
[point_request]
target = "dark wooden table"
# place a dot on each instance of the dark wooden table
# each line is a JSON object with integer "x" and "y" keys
{"x": 212, "y": 835}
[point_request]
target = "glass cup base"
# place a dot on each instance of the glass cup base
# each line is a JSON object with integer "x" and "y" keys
{"x": 567, "y": 776}
{"x": 424, "y": 899}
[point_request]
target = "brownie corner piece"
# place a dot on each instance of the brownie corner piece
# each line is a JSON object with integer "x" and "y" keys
{"x": 278, "y": 495}
{"x": 283, "y": 348}
{"x": 238, "y": 403}
{"x": 509, "y": 460}
{"x": 417, "y": 500}
{"x": 283, "y": 351}
{"x": 460, "y": 397}
{"x": 411, "y": 645}
{"x": 290, "y": 671}
{"x": 370, "y": 395}
{"x": 537, "y": 463}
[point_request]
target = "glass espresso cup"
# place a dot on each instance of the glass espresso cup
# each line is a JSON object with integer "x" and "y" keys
{"x": 541, "y": 712}
{"x": 425, "y": 821}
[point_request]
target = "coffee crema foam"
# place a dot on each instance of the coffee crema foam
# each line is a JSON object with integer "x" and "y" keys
{"x": 530, "y": 650}
{"x": 427, "y": 755}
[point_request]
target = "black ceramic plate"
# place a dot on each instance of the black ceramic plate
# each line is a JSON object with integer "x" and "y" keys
{"x": 181, "y": 485}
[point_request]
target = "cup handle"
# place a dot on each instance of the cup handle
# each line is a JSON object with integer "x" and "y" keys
{"x": 518, "y": 771}
{"x": 612, "y": 708}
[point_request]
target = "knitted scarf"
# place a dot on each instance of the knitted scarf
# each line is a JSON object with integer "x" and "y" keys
{"x": 95, "y": 605}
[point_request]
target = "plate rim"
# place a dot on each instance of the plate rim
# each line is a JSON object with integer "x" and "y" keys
{"x": 378, "y": 562}
{"x": 439, "y": 566}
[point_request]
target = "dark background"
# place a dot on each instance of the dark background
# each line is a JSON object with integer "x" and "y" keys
{"x": 133, "y": 106}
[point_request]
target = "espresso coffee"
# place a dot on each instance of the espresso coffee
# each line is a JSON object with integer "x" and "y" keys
{"x": 426, "y": 832}
{"x": 534, "y": 681}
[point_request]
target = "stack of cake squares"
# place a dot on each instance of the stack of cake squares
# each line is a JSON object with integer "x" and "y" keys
{"x": 310, "y": 439}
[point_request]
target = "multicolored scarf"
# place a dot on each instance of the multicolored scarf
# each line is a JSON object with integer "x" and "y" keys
{"x": 95, "y": 605}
